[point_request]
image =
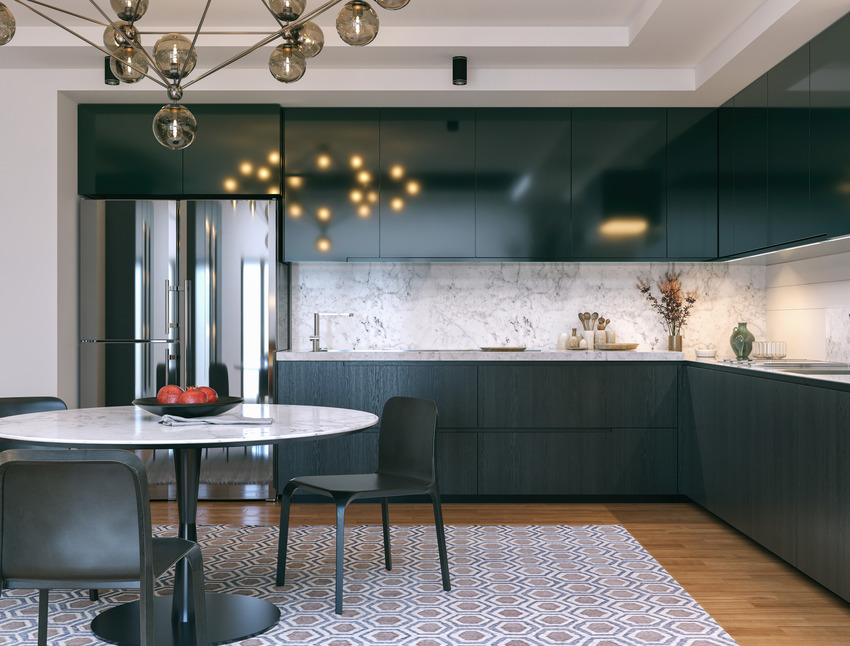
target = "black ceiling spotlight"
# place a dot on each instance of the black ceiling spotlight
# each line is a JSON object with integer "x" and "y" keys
{"x": 108, "y": 76}
{"x": 459, "y": 70}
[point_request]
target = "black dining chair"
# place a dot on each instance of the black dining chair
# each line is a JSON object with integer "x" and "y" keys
{"x": 21, "y": 405}
{"x": 81, "y": 519}
{"x": 406, "y": 466}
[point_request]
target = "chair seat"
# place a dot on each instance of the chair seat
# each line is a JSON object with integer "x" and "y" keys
{"x": 363, "y": 484}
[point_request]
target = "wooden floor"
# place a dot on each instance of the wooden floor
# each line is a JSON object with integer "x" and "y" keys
{"x": 755, "y": 596}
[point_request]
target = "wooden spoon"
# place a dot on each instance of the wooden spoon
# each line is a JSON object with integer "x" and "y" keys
{"x": 593, "y": 322}
{"x": 586, "y": 319}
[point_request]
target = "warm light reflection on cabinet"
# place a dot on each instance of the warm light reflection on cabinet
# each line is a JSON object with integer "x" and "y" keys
{"x": 624, "y": 227}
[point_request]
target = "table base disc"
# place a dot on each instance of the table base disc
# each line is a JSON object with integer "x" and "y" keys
{"x": 230, "y": 617}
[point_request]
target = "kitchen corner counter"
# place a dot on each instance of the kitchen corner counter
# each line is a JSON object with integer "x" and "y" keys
{"x": 479, "y": 356}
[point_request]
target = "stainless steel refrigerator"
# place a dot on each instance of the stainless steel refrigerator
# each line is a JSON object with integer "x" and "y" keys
{"x": 180, "y": 292}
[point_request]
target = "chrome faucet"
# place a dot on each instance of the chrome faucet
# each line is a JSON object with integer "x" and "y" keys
{"x": 315, "y": 338}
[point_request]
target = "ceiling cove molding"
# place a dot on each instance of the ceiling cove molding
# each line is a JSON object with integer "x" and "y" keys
{"x": 642, "y": 16}
{"x": 756, "y": 24}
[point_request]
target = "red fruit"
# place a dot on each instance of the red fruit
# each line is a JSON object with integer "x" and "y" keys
{"x": 212, "y": 396}
{"x": 169, "y": 394}
{"x": 193, "y": 396}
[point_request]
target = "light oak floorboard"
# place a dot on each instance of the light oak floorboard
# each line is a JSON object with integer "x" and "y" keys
{"x": 757, "y": 598}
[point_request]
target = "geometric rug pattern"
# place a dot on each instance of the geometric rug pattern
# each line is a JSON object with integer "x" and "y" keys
{"x": 511, "y": 586}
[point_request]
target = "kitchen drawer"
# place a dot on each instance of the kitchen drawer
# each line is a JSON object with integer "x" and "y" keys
{"x": 591, "y": 462}
{"x": 585, "y": 395}
{"x": 367, "y": 386}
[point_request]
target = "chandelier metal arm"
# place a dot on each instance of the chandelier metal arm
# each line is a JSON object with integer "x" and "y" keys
{"x": 279, "y": 21}
{"x": 65, "y": 11}
{"x": 84, "y": 39}
{"x": 310, "y": 15}
{"x": 139, "y": 50}
{"x": 265, "y": 41}
{"x": 192, "y": 47}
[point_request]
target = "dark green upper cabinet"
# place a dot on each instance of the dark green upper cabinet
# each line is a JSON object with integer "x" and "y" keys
{"x": 788, "y": 151}
{"x": 117, "y": 154}
{"x": 692, "y": 183}
{"x": 332, "y": 184}
{"x": 743, "y": 216}
{"x": 830, "y": 128}
{"x": 236, "y": 151}
{"x": 522, "y": 183}
{"x": 427, "y": 183}
{"x": 619, "y": 183}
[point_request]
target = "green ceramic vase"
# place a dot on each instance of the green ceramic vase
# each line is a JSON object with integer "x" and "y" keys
{"x": 742, "y": 342}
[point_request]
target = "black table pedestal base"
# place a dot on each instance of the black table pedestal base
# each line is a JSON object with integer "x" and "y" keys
{"x": 230, "y": 618}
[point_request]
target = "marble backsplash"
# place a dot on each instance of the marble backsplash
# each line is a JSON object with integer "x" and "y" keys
{"x": 442, "y": 306}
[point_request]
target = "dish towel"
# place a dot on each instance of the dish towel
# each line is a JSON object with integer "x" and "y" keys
{"x": 175, "y": 420}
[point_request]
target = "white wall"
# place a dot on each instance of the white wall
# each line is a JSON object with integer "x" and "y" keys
{"x": 29, "y": 235}
{"x": 808, "y": 306}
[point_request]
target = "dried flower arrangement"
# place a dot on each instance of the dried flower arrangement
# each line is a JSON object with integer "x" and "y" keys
{"x": 675, "y": 305}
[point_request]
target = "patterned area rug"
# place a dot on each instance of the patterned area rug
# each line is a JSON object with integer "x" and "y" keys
{"x": 511, "y": 586}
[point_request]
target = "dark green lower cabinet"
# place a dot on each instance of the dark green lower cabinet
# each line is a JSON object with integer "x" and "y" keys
{"x": 823, "y": 511}
{"x": 606, "y": 462}
{"x": 738, "y": 454}
{"x": 770, "y": 458}
{"x": 504, "y": 429}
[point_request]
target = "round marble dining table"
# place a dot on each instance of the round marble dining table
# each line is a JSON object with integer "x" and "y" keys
{"x": 230, "y": 617}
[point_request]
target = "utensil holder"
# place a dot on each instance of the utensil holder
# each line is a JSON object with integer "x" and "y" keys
{"x": 588, "y": 338}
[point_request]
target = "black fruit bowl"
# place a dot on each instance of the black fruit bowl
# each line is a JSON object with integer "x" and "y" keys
{"x": 151, "y": 405}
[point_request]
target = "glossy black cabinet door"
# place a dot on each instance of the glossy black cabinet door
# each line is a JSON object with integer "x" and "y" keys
{"x": 830, "y": 127}
{"x": 331, "y": 185}
{"x": 619, "y": 183}
{"x": 427, "y": 183}
{"x": 236, "y": 151}
{"x": 117, "y": 154}
{"x": 788, "y": 151}
{"x": 743, "y": 217}
{"x": 692, "y": 183}
{"x": 522, "y": 183}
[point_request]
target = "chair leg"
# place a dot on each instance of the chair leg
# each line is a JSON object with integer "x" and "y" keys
{"x": 94, "y": 595}
{"x": 385, "y": 518}
{"x": 340, "y": 542}
{"x": 441, "y": 539}
{"x": 196, "y": 565}
{"x": 283, "y": 533}
{"x": 42, "y": 617}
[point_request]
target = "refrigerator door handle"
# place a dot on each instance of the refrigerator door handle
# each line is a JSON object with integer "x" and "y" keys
{"x": 127, "y": 341}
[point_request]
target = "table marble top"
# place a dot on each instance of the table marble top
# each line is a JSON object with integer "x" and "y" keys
{"x": 132, "y": 428}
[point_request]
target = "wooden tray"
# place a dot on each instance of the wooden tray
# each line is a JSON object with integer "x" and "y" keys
{"x": 616, "y": 346}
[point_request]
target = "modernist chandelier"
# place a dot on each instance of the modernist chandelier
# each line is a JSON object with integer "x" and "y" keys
{"x": 174, "y": 55}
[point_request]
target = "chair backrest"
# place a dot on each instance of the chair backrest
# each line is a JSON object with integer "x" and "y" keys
{"x": 73, "y": 516}
{"x": 21, "y": 405}
{"x": 407, "y": 438}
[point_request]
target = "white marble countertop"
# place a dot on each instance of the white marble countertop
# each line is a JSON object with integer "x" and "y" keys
{"x": 131, "y": 427}
{"x": 478, "y": 355}
{"x": 774, "y": 370}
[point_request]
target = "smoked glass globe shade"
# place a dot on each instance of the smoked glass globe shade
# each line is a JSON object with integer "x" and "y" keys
{"x": 171, "y": 53}
{"x": 287, "y": 10}
{"x": 174, "y": 126}
{"x": 113, "y": 39}
{"x": 7, "y": 24}
{"x": 392, "y": 4}
{"x": 128, "y": 65}
{"x": 129, "y": 9}
{"x": 357, "y": 23}
{"x": 309, "y": 38}
{"x": 287, "y": 64}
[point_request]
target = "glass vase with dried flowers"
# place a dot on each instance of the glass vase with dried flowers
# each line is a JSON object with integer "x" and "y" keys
{"x": 674, "y": 307}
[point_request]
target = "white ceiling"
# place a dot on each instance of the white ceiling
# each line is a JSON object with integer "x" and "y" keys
{"x": 521, "y": 53}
